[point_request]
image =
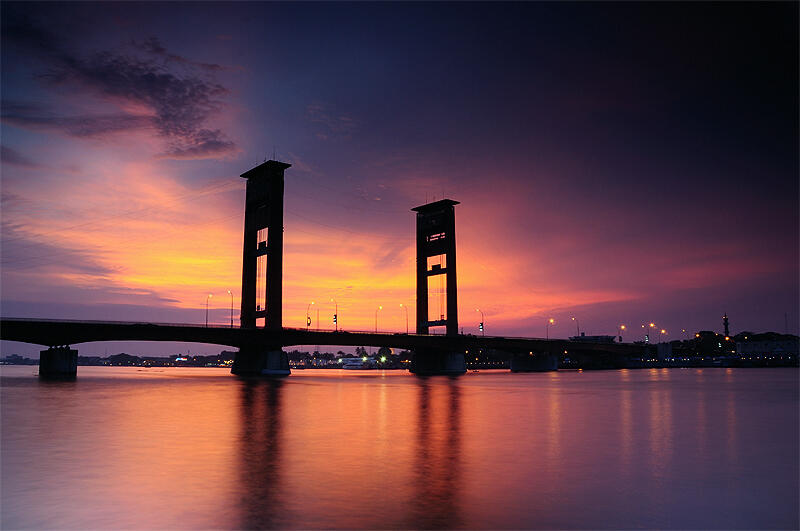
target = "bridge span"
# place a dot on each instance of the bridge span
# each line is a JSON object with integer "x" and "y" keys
{"x": 54, "y": 332}
{"x": 64, "y": 333}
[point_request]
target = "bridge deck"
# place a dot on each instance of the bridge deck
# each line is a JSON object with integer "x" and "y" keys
{"x": 65, "y": 332}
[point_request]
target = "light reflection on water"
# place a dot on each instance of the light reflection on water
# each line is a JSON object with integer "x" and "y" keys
{"x": 198, "y": 448}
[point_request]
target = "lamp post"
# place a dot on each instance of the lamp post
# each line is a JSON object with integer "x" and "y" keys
{"x": 621, "y": 328}
{"x": 577, "y": 325}
{"x": 483, "y": 332}
{"x": 308, "y": 315}
{"x": 207, "y": 299}
{"x": 335, "y": 314}
{"x": 376, "y": 318}
{"x": 664, "y": 333}
{"x": 231, "y": 294}
{"x": 547, "y": 328}
{"x": 403, "y": 306}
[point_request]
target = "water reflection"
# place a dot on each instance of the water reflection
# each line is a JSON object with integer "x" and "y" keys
{"x": 437, "y": 468}
{"x": 553, "y": 423}
{"x": 195, "y": 449}
{"x": 261, "y": 455}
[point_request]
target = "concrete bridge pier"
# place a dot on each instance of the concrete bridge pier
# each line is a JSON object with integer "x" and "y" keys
{"x": 438, "y": 363}
{"x": 261, "y": 362}
{"x": 534, "y": 362}
{"x": 58, "y": 363}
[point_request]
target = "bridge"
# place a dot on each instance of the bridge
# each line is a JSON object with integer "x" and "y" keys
{"x": 55, "y": 333}
{"x": 261, "y": 336}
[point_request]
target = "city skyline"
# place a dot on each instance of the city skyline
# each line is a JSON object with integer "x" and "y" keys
{"x": 597, "y": 180}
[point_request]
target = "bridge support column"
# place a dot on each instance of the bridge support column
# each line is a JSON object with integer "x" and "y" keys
{"x": 257, "y": 362}
{"x": 58, "y": 363}
{"x": 438, "y": 363}
{"x": 535, "y": 362}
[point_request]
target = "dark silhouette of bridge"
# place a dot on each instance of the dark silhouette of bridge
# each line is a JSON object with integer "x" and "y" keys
{"x": 56, "y": 332}
{"x": 261, "y": 336}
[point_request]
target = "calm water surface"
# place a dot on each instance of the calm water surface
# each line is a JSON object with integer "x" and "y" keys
{"x": 129, "y": 448}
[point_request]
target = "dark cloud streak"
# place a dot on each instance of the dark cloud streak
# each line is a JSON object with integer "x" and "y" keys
{"x": 38, "y": 117}
{"x": 181, "y": 102}
{"x": 14, "y": 157}
{"x": 153, "y": 46}
{"x": 25, "y": 253}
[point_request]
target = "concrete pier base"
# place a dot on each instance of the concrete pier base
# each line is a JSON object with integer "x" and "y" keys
{"x": 261, "y": 363}
{"x": 536, "y": 362}
{"x": 443, "y": 363}
{"x": 58, "y": 363}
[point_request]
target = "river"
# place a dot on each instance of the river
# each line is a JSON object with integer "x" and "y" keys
{"x": 183, "y": 448}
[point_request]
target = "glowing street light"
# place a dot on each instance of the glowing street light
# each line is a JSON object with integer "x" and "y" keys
{"x": 577, "y": 325}
{"x": 376, "y": 318}
{"x": 483, "y": 320}
{"x": 308, "y": 315}
{"x": 550, "y": 321}
{"x": 207, "y": 299}
{"x": 621, "y": 328}
{"x": 406, "y": 309}
{"x": 652, "y": 330}
{"x": 231, "y": 294}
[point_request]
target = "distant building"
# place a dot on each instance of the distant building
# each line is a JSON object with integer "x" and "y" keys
{"x": 769, "y": 344}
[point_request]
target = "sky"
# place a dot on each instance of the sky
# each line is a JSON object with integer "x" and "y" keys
{"x": 617, "y": 163}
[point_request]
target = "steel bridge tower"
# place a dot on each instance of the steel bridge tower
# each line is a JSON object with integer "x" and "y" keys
{"x": 262, "y": 267}
{"x": 436, "y": 256}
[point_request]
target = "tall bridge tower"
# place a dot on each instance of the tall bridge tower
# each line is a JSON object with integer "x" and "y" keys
{"x": 436, "y": 255}
{"x": 436, "y": 258}
{"x": 262, "y": 256}
{"x": 262, "y": 267}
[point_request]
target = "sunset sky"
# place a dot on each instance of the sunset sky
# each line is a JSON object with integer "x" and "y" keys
{"x": 620, "y": 163}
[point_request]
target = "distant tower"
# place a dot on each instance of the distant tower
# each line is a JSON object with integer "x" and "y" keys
{"x": 725, "y": 324}
{"x": 436, "y": 255}
{"x": 262, "y": 257}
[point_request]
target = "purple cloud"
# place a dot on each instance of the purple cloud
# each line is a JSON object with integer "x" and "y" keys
{"x": 181, "y": 99}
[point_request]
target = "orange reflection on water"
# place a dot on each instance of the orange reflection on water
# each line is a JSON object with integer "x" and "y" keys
{"x": 199, "y": 448}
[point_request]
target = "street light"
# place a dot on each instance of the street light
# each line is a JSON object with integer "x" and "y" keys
{"x": 406, "y": 309}
{"x": 547, "y": 328}
{"x": 577, "y": 325}
{"x": 231, "y": 294}
{"x": 483, "y": 320}
{"x": 335, "y": 314}
{"x": 207, "y": 299}
{"x": 621, "y": 328}
{"x": 376, "y": 318}
{"x": 308, "y": 316}
{"x": 664, "y": 333}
